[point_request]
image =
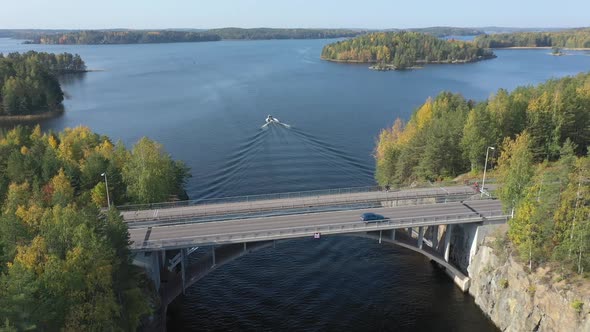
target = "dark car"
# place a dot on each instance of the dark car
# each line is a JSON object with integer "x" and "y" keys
{"x": 371, "y": 217}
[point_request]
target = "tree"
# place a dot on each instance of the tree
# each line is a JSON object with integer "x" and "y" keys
{"x": 149, "y": 173}
{"x": 479, "y": 133}
{"x": 572, "y": 219}
{"x": 515, "y": 168}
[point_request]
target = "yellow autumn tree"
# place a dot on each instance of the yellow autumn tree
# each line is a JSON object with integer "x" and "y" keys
{"x": 33, "y": 256}
{"x": 31, "y": 216}
{"x": 62, "y": 190}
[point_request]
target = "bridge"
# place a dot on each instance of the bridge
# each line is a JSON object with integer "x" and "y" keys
{"x": 179, "y": 243}
{"x": 295, "y": 202}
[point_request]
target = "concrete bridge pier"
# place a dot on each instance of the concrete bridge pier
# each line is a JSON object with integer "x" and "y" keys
{"x": 448, "y": 242}
{"x": 151, "y": 262}
{"x": 434, "y": 236}
{"x": 183, "y": 263}
{"x": 420, "y": 237}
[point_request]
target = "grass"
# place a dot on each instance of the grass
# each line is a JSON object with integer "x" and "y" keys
{"x": 577, "y": 305}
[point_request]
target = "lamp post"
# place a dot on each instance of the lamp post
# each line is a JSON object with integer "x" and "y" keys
{"x": 107, "y": 186}
{"x": 485, "y": 167}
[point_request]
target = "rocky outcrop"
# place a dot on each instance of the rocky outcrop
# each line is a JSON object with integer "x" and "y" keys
{"x": 516, "y": 300}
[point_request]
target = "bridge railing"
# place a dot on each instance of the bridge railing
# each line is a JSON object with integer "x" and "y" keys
{"x": 249, "y": 198}
{"x": 300, "y": 231}
{"x": 288, "y": 206}
{"x": 285, "y": 195}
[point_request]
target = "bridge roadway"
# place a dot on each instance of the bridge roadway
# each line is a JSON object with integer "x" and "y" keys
{"x": 292, "y": 226}
{"x": 256, "y": 204}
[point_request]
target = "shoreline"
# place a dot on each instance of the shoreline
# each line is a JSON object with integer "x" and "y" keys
{"x": 374, "y": 65}
{"x": 30, "y": 117}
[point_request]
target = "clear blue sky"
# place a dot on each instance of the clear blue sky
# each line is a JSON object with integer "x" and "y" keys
{"x": 152, "y": 14}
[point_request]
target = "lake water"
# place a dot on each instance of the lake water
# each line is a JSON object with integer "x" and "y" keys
{"x": 206, "y": 103}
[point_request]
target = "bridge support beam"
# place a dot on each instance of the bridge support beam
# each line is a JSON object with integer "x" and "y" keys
{"x": 410, "y": 232}
{"x": 420, "y": 236}
{"x": 448, "y": 242}
{"x": 183, "y": 269}
{"x": 245, "y": 248}
{"x": 393, "y": 234}
{"x": 156, "y": 269}
{"x": 213, "y": 254}
{"x": 434, "y": 237}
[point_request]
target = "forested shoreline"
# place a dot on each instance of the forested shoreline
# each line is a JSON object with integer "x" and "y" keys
{"x": 29, "y": 82}
{"x": 403, "y": 50}
{"x": 97, "y": 37}
{"x": 574, "y": 38}
{"x": 542, "y": 133}
{"x": 64, "y": 264}
{"x": 92, "y": 37}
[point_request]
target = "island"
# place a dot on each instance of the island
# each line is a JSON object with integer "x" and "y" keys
{"x": 29, "y": 85}
{"x": 570, "y": 39}
{"x": 403, "y": 50}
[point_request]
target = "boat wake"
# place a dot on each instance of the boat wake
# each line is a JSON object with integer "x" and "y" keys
{"x": 281, "y": 158}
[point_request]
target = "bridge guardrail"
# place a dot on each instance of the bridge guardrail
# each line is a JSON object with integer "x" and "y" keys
{"x": 286, "y": 232}
{"x": 286, "y": 195}
{"x": 250, "y": 198}
{"x": 308, "y": 203}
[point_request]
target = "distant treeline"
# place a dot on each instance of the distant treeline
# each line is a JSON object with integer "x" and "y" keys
{"x": 403, "y": 50}
{"x": 29, "y": 84}
{"x": 268, "y": 33}
{"x": 449, "y": 31}
{"x": 167, "y": 36}
{"x": 121, "y": 37}
{"x": 574, "y": 38}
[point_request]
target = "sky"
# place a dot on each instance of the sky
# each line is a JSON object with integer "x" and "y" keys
{"x": 369, "y": 14}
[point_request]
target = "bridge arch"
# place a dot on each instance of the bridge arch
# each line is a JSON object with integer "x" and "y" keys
{"x": 173, "y": 285}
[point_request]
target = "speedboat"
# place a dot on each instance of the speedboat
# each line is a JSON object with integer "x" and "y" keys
{"x": 270, "y": 119}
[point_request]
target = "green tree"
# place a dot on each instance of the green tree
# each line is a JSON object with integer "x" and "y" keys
{"x": 149, "y": 173}
{"x": 515, "y": 168}
{"x": 479, "y": 133}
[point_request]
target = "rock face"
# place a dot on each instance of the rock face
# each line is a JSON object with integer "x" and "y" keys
{"x": 516, "y": 300}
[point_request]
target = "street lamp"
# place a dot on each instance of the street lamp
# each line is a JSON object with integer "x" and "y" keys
{"x": 107, "y": 186}
{"x": 485, "y": 167}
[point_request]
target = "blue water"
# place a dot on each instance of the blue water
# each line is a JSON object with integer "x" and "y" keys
{"x": 206, "y": 103}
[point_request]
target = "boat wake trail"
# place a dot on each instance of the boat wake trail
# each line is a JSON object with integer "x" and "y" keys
{"x": 280, "y": 158}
